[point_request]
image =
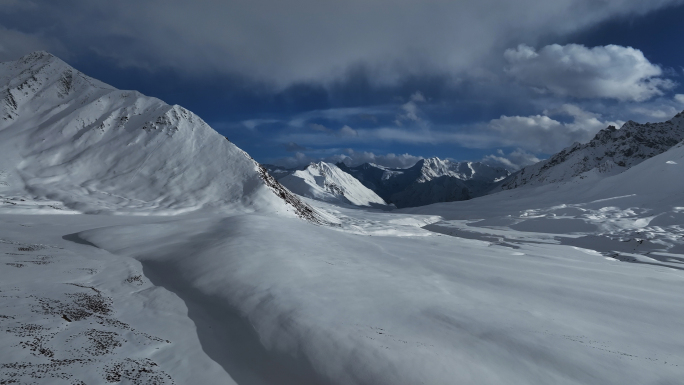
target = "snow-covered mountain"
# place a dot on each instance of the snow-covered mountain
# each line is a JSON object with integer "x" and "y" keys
{"x": 610, "y": 152}
{"x": 428, "y": 181}
{"x": 71, "y": 142}
{"x": 327, "y": 182}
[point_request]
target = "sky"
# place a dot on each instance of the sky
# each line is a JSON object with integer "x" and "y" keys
{"x": 507, "y": 82}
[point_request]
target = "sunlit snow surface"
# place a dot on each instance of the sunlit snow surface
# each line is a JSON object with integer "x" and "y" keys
{"x": 580, "y": 283}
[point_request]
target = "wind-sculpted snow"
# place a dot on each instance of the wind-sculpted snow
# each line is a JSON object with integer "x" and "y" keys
{"x": 72, "y": 143}
{"x": 348, "y": 308}
{"x": 326, "y": 182}
{"x": 610, "y": 152}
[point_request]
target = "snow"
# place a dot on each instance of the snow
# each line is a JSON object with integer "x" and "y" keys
{"x": 428, "y": 181}
{"x": 611, "y": 152}
{"x": 74, "y": 144}
{"x": 576, "y": 282}
{"x": 326, "y": 182}
{"x": 424, "y": 308}
{"x": 72, "y": 312}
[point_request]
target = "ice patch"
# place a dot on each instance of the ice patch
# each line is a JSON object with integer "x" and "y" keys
{"x": 671, "y": 162}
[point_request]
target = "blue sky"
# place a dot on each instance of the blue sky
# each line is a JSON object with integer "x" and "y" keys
{"x": 386, "y": 81}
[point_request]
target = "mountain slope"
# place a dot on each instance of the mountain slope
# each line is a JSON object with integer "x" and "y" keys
{"x": 70, "y": 141}
{"x": 610, "y": 152}
{"x": 428, "y": 181}
{"x": 327, "y": 182}
{"x": 440, "y": 189}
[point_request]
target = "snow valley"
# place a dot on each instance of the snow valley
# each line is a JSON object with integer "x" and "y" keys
{"x": 139, "y": 246}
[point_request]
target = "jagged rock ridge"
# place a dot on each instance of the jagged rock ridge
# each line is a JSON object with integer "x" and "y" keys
{"x": 610, "y": 152}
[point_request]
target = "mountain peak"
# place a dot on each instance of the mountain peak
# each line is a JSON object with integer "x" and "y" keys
{"x": 71, "y": 142}
{"x": 327, "y": 182}
{"x": 36, "y": 56}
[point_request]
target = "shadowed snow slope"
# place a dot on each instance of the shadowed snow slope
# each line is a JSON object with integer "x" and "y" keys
{"x": 326, "y": 182}
{"x": 71, "y": 142}
{"x": 610, "y": 152}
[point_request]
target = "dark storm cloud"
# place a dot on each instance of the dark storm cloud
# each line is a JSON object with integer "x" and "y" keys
{"x": 302, "y": 40}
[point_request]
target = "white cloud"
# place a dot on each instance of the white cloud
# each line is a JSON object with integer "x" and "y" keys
{"x": 347, "y": 131}
{"x": 410, "y": 110}
{"x": 611, "y": 71}
{"x": 352, "y": 158}
{"x": 254, "y": 123}
{"x": 541, "y": 133}
{"x": 660, "y": 113}
{"x": 418, "y": 97}
{"x": 355, "y": 158}
{"x": 512, "y": 161}
{"x": 548, "y": 132}
{"x": 320, "y": 128}
{"x": 679, "y": 98}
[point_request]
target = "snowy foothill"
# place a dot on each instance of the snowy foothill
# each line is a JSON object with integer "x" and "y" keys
{"x": 154, "y": 251}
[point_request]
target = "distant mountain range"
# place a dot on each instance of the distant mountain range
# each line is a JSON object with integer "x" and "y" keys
{"x": 428, "y": 181}
{"x": 610, "y": 152}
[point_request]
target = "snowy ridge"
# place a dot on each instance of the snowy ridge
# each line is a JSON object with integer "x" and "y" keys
{"x": 73, "y": 143}
{"x": 610, "y": 152}
{"x": 326, "y": 182}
